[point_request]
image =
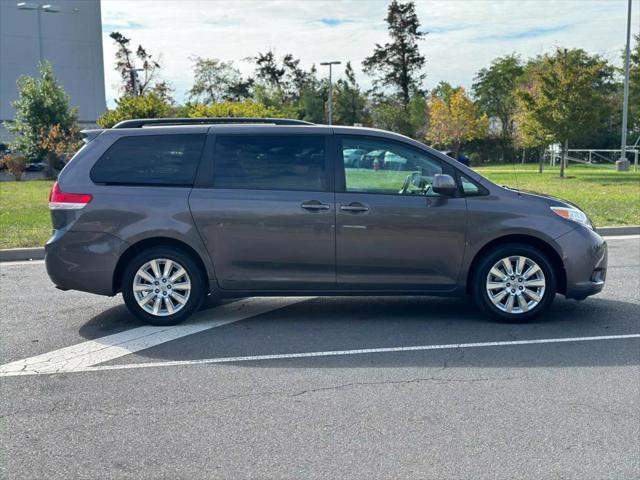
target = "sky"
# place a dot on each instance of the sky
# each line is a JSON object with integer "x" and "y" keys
{"x": 463, "y": 35}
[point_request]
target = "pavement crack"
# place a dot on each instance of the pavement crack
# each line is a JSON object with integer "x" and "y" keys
{"x": 58, "y": 409}
{"x": 439, "y": 380}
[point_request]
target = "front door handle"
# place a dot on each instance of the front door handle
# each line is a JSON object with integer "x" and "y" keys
{"x": 315, "y": 205}
{"x": 354, "y": 207}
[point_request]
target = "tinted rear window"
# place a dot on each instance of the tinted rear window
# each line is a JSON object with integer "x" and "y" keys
{"x": 261, "y": 162}
{"x": 150, "y": 160}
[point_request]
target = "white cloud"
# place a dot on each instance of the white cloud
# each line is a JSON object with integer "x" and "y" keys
{"x": 465, "y": 35}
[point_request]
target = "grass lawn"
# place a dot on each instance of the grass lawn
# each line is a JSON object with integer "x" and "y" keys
{"x": 24, "y": 213}
{"x": 607, "y": 196}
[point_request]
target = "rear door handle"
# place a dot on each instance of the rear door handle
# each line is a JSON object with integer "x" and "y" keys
{"x": 315, "y": 205}
{"x": 354, "y": 207}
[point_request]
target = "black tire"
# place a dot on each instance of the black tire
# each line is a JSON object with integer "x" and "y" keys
{"x": 479, "y": 282}
{"x": 195, "y": 275}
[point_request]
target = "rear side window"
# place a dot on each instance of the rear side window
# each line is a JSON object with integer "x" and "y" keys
{"x": 269, "y": 162}
{"x": 169, "y": 160}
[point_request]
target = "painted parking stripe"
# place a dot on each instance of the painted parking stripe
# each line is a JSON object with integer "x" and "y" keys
{"x": 84, "y": 355}
{"x": 335, "y": 353}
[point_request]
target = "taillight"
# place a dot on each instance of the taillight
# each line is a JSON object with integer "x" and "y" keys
{"x": 59, "y": 200}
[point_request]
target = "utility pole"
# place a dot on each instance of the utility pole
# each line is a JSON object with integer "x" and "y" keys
{"x": 330, "y": 64}
{"x": 622, "y": 165}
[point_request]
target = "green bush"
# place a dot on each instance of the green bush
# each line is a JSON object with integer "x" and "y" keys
{"x": 15, "y": 165}
{"x": 149, "y": 105}
{"x": 233, "y": 109}
{"x": 42, "y": 104}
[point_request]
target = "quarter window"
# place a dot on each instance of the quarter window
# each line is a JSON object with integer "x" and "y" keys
{"x": 150, "y": 160}
{"x": 269, "y": 162}
{"x": 470, "y": 188}
{"x": 378, "y": 166}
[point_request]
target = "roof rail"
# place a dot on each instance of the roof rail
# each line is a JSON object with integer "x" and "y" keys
{"x": 90, "y": 133}
{"x": 142, "y": 122}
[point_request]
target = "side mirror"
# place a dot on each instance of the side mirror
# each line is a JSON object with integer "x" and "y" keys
{"x": 444, "y": 184}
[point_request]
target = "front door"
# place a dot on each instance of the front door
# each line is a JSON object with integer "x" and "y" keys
{"x": 268, "y": 218}
{"x": 392, "y": 231}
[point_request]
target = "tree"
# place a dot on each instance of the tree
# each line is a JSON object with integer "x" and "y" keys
{"x": 283, "y": 79}
{"x": 149, "y": 105}
{"x": 529, "y": 132}
{"x": 418, "y": 113}
{"x": 284, "y": 85}
{"x": 217, "y": 81}
{"x": 399, "y": 64}
{"x": 494, "y": 91}
{"x": 455, "y": 122}
{"x": 296, "y": 78}
{"x": 41, "y": 104}
{"x": 389, "y": 114}
{"x": 127, "y": 64}
{"x": 444, "y": 91}
{"x": 574, "y": 96}
{"x": 314, "y": 95}
{"x": 164, "y": 91}
{"x": 241, "y": 90}
{"x": 268, "y": 70}
{"x": 349, "y": 101}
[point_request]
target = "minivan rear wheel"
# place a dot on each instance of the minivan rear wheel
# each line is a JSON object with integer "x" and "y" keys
{"x": 162, "y": 286}
{"x": 514, "y": 283}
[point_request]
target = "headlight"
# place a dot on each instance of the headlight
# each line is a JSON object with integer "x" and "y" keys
{"x": 573, "y": 214}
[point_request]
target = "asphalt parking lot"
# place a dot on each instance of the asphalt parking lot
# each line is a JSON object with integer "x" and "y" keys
{"x": 320, "y": 387}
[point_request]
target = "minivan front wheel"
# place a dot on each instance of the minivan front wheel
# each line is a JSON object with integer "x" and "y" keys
{"x": 514, "y": 283}
{"x": 162, "y": 286}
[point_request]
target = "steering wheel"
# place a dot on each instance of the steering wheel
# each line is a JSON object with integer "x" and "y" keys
{"x": 417, "y": 180}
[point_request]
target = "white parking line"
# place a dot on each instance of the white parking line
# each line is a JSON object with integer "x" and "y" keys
{"x": 84, "y": 355}
{"x": 331, "y": 353}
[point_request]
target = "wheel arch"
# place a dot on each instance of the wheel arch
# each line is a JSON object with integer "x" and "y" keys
{"x": 147, "y": 243}
{"x": 532, "y": 241}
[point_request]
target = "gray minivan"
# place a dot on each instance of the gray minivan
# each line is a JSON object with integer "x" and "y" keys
{"x": 169, "y": 211}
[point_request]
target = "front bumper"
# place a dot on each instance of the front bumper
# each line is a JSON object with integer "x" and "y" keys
{"x": 84, "y": 261}
{"x": 584, "y": 254}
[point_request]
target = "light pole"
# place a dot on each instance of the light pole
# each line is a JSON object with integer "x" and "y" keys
{"x": 622, "y": 165}
{"x": 46, "y": 7}
{"x": 330, "y": 64}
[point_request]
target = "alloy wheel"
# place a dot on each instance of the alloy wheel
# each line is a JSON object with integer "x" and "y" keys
{"x": 515, "y": 284}
{"x": 161, "y": 287}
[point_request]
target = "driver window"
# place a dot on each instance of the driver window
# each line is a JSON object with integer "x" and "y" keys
{"x": 378, "y": 166}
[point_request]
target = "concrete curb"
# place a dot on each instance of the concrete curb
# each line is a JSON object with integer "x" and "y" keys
{"x": 626, "y": 230}
{"x": 21, "y": 254}
{"x": 37, "y": 253}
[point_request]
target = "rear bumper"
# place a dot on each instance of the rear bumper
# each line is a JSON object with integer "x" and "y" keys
{"x": 584, "y": 254}
{"x": 84, "y": 261}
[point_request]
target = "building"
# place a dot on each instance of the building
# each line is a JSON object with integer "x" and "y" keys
{"x": 68, "y": 33}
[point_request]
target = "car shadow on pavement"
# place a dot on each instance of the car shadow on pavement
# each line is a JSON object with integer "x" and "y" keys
{"x": 118, "y": 319}
{"x": 348, "y": 323}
